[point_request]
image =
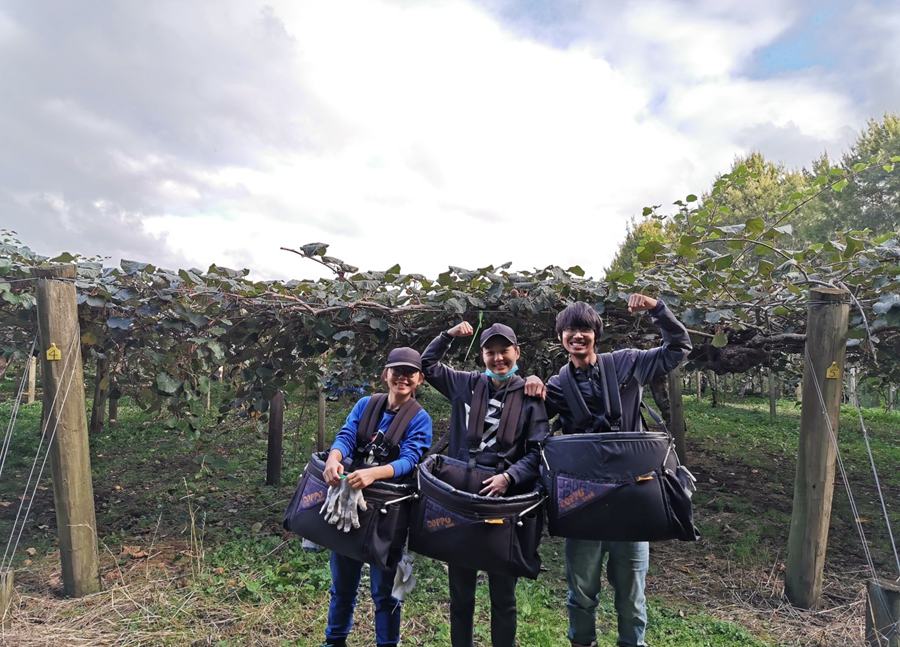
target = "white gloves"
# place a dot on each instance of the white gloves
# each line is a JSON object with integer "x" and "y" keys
{"x": 404, "y": 580}
{"x": 343, "y": 505}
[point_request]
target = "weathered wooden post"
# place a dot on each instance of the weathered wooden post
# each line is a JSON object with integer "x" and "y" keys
{"x": 6, "y": 595}
{"x": 114, "y": 394}
{"x": 320, "y": 430}
{"x": 883, "y": 614}
{"x": 713, "y": 387}
{"x": 854, "y": 397}
{"x": 101, "y": 389}
{"x": 276, "y": 439}
{"x": 70, "y": 460}
{"x": 676, "y": 413}
{"x": 773, "y": 395}
{"x": 697, "y": 379}
{"x": 892, "y": 392}
{"x": 826, "y": 341}
{"x": 32, "y": 379}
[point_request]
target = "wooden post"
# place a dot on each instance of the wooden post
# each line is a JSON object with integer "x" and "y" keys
{"x": 798, "y": 391}
{"x": 676, "y": 410}
{"x": 276, "y": 439}
{"x": 659, "y": 388}
{"x": 826, "y": 340}
{"x": 6, "y": 594}
{"x": 854, "y": 396}
{"x": 114, "y": 394}
{"x": 70, "y": 460}
{"x": 713, "y": 387}
{"x": 883, "y": 614}
{"x": 773, "y": 395}
{"x": 32, "y": 379}
{"x": 320, "y": 431}
{"x": 101, "y": 389}
{"x": 892, "y": 392}
{"x": 697, "y": 379}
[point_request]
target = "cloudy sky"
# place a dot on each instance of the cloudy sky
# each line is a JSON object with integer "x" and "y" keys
{"x": 422, "y": 132}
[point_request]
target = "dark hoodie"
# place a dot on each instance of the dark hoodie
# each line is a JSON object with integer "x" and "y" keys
{"x": 634, "y": 369}
{"x": 520, "y": 460}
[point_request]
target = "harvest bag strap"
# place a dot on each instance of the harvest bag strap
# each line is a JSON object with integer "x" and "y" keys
{"x": 368, "y": 425}
{"x": 581, "y": 415}
{"x": 655, "y": 417}
{"x": 612, "y": 400}
{"x": 513, "y": 402}
{"x": 611, "y": 396}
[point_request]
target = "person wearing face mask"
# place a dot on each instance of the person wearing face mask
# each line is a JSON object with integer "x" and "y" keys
{"x": 377, "y": 459}
{"x": 578, "y": 328}
{"x": 493, "y": 425}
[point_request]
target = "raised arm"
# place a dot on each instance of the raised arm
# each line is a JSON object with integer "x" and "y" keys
{"x": 448, "y": 381}
{"x": 647, "y": 364}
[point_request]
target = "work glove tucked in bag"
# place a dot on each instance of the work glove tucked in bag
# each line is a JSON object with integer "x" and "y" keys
{"x": 342, "y": 506}
{"x": 404, "y": 580}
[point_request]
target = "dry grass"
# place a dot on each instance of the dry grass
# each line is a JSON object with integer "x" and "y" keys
{"x": 754, "y": 597}
{"x": 156, "y": 601}
{"x": 147, "y": 601}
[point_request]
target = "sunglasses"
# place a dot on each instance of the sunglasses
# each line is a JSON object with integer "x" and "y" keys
{"x": 404, "y": 371}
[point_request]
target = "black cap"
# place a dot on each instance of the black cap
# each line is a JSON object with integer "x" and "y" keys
{"x": 404, "y": 356}
{"x": 498, "y": 330}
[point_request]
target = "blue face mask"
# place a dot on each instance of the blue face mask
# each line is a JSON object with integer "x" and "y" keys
{"x": 502, "y": 378}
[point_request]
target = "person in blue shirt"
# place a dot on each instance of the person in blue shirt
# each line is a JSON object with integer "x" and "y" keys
{"x": 378, "y": 460}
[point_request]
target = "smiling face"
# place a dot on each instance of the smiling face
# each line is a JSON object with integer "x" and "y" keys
{"x": 499, "y": 355}
{"x": 402, "y": 381}
{"x": 579, "y": 342}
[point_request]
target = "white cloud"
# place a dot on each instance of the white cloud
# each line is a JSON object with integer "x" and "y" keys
{"x": 427, "y": 134}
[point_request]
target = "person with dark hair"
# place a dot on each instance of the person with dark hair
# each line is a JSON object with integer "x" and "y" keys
{"x": 579, "y": 316}
{"x": 493, "y": 425}
{"x": 378, "y": 459}
{"x": 578, "y": 328}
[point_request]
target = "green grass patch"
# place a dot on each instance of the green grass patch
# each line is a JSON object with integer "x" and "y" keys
{"x": 155, "y": 487}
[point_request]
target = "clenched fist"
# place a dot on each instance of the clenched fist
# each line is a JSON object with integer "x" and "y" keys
{"x": 463, "y": 329}
{"x": 640, "y": 303}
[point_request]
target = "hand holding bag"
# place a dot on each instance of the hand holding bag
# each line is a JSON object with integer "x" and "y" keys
{"x": 618, "y": 485}
{"x": 383, "y": 523}
{"x": 453, "y": 524}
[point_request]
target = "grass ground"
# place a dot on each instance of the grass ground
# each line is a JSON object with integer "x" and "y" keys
{"x": 193, "y": 552}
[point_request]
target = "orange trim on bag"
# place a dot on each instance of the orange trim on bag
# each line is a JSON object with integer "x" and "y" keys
{"x": 644, "y": 477}
{"x": 494, "y": 522}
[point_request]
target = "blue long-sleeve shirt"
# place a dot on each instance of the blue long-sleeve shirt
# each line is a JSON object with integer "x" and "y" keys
{"x": 413, "y": 445}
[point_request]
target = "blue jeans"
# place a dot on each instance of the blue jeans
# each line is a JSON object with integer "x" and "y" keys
{"x": 626, "y": 572}
{"x": 345, "y": 575}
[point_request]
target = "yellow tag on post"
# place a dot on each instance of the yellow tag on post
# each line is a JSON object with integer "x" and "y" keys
{"x": 53, "y": 353}
{"x": 833, "y": 372}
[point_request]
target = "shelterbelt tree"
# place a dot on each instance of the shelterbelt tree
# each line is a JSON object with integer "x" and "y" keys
{"x": 739, "y": 286}
{"x": 742, "y": 256}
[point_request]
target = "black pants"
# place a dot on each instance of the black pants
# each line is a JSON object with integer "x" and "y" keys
{"x": 462, "y": 607}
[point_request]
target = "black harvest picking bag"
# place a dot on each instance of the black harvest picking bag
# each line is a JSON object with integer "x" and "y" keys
{"x": 451, "y": 523}
{"x": 616, "y": 485}
{"x": 383, "y": 525}
{"x": 382, "y": 528}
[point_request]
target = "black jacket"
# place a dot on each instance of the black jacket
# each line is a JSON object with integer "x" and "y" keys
{"x": 521, "y": 460}
{"x": 634, "y": 369}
